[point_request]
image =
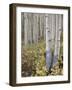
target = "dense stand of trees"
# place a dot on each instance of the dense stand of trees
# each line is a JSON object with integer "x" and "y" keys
{"x": 46, "y": 27}
{"x": 33, "y": 28}
{"x": 54, "y": 29}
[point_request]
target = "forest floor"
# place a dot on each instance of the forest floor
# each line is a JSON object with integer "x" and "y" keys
{"x": 56, "y": 70}
{"x": 33, "y": 61}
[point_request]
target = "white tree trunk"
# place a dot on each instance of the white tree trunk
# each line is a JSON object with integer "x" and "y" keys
{"x": 35, "y": 28}
{"x": 25, "y": 28}
{"x": 53, "y": 29}
{"x": 60, "y": 31}
{"x": 48, "y": 41}
{"x": 57, "y": 38}
{"x": 29, "y": 28}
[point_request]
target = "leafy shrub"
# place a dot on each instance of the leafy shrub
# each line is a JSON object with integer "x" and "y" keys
{"x": 33, "y": 60}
